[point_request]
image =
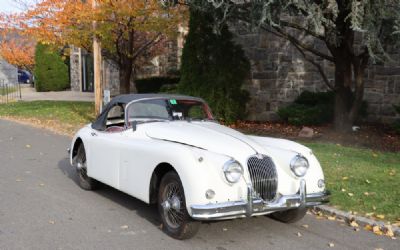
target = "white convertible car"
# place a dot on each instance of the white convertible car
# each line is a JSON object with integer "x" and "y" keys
{"x": 168, "y": 150}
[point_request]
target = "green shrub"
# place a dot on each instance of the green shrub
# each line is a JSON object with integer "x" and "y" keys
{"x": 214, "y": 67}
{"x": 309, "y": 109}
{"x": 313, "y": 108}
{"x": 51, "y": 73}
{"x": 154, "y": 84}
{"x": 396, "y": 124}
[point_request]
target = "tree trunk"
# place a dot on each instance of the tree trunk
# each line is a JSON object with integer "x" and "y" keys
{"x": 125, "y": 72}
{"x": 343, "y": 94}
{"x": 349, "y": 92}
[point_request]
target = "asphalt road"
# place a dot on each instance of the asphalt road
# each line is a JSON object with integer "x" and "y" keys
{"x": 41, "y": 207}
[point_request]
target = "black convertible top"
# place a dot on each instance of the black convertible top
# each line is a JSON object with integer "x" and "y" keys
{"x": 100, "y": 123}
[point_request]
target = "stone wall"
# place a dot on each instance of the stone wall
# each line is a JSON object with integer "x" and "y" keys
{"x": 75, "y": 69}
{"x": 279, "y": 74}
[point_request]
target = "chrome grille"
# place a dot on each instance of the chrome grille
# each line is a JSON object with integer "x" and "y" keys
{"x": 263, "y": 177}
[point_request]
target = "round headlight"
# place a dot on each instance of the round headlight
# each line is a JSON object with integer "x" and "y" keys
{"x": 233, "y": 171}
{"x": 299, "y": 165}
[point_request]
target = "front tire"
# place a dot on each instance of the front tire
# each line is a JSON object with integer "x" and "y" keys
{"x": 84, "y": 181}
{"x": 176, "y": 222}
{"x": 290, "y": 216}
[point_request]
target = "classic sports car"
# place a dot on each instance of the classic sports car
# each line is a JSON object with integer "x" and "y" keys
{"x": 168, "y": 150}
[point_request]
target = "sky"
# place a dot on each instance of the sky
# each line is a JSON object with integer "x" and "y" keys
{"x": 8, "y": 6}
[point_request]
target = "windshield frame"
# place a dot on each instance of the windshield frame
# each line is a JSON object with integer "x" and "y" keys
{"x": 127, "y": 106}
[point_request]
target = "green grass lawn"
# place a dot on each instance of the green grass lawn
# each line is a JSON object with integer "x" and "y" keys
{"x": 66, "y": 116}
{"x": 361, "y": 180}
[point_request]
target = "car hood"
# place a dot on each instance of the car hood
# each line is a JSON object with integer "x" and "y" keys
{"x": 206, "y": 135}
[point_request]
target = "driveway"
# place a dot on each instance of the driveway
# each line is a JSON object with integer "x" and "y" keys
{"x": 41, "y": 207}
{"x": 30, "y": 94}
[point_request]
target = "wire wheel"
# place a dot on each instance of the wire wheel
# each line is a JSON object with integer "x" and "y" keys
{"x": 173, "y": 206}
{"x": 84, "y": 180}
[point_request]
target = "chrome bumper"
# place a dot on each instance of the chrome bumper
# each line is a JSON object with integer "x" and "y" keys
{"x": 254, "y": 207}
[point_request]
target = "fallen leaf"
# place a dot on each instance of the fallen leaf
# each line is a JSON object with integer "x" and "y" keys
{"x": 388, "y": 231}
{"x": 52, "y": 222}
{"x": 331, "y": 218}
{"x": 330, "y": 244}
{"x": 305, "y": 226}
{"x": 368, "y": 227}
{"x": 354, "y": 224}
{"x": 366, "y": 193}
{"x": 345, "y": 178}
{"x": 350, "y": 194}
{"x": 374, "y": 155}
{"x": 380, "y": 216}
{"x": 28, "y": 146}
{"x": 124, "y": 227}
{"x": 299, "y": 234}
{"x": 376, "y": 230}
{"x": 373, "y": 207}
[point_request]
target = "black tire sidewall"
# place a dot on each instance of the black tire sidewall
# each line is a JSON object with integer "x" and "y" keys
{"x": 85, "y": 183}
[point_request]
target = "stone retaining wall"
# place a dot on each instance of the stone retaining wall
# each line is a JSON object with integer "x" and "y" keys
{"x": 279, "y": 74}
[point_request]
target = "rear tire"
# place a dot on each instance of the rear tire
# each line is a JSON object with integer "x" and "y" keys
{"x": 176, "y": 222}
{"x": 84, "y": 181}
{"x": 290, "y": 216}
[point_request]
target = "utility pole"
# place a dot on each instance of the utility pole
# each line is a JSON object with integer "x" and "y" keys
{"x": 98, "y": 87}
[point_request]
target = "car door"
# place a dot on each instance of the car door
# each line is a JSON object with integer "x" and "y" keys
{"x": 104, "y": 155}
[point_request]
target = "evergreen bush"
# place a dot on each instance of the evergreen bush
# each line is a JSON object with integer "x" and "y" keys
{"x": 214, "y": 68}
{"x": 155, "y": 84}
{"x": 51, "y": 73}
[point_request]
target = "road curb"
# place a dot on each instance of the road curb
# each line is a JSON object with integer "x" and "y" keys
{"x": 362, "y": 221}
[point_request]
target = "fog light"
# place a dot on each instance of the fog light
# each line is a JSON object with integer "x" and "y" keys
{"x": 321, "y": 183}
{"x": 210, "y": 194}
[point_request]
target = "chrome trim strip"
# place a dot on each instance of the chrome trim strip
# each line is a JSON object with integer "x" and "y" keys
{"x": 255, "y": 207}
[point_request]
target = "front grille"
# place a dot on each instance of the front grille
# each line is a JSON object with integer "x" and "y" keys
{"x": 263, "y": 177}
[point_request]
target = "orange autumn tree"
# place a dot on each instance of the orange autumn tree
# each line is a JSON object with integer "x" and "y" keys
{"x": 16, "y": 49}
{"x": 18, "y": 53}
{"x": 130, "y": 31}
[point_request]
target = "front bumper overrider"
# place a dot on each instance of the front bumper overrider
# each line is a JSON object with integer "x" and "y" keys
{"x": 255, "y": 206}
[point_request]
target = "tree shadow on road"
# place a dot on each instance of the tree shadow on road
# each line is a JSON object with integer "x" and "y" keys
{"x": 148, "y": 212}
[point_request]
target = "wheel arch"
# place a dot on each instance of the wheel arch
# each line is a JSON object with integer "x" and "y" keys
{"x": 74, "y": 151}
{"x": 156, "y": 177}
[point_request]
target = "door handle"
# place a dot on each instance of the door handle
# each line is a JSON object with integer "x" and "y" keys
{"x": 93, "y": 134}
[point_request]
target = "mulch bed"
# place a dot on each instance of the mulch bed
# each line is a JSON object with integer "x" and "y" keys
{"x": 376, "y": 137}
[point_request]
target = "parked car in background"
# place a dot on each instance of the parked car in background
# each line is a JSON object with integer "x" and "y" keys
{"x": 25, "y": 76}
{"x": 170, "y": 151}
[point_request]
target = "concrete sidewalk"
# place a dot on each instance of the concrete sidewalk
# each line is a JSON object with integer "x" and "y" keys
{"x": 30, "y": 94}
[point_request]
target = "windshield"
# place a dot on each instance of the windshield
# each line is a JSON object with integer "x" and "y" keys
{"x": 168, "y": 109}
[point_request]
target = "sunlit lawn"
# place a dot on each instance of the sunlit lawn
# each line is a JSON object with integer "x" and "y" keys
{"x": 65, "y": 116}
{"x": 361, "y": 180}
